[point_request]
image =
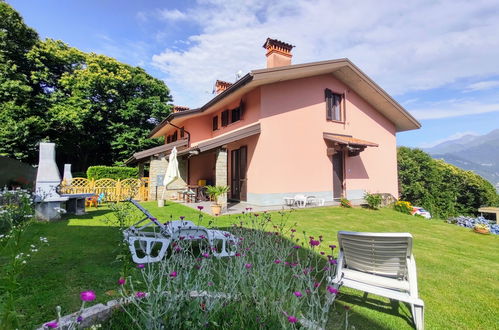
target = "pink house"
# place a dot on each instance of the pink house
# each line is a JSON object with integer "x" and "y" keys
{"x": 323, "y": 129}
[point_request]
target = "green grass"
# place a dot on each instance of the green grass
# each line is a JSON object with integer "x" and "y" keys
{"x": 457, "y": 269}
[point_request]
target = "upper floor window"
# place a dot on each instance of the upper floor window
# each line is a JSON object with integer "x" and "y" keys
{"x": 182, "y": 132}
{"x": 168, "y": 139}
{"x": 333, "y": 106}
{"x": 174, "y": 137}
{"x": 215, "y": 123}
{"x": 225, "y": 118}
{"x": 235, "y": 115}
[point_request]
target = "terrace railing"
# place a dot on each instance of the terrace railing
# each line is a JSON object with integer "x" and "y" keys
{"x": 113, "y": 190}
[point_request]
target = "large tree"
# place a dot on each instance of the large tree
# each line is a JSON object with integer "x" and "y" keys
{"x": 96, "y": 109}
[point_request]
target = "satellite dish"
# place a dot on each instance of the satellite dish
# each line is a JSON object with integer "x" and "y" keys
{"x": 239, "y": 74}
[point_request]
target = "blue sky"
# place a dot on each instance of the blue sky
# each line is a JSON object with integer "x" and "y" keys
{"x": 440, "y": 60}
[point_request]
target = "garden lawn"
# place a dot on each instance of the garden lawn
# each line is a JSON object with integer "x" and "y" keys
{"x": 458, "y": 270}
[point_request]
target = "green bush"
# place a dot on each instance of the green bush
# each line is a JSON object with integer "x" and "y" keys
{"x": 345, "y": 203}
{"x": 443, "y": 189}
{"x": 112, "y": 172}
{"x": 79, "y": 174}
{"x": 373, "y": 200}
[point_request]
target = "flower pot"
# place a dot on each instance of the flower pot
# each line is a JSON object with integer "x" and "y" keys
{"x": 161, "y": 202}
{"x": 216, "y": 209}
{"x": 481, "y": 231}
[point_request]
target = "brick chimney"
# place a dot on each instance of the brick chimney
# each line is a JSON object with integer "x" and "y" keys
{"x": 278, "y": 53}
{"x": 179, "y": 108}
{"x": 221, "y": 85}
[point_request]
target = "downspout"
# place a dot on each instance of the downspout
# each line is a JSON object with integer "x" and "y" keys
{"x": 188, "y": 134}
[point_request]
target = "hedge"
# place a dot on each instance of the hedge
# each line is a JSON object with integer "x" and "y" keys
{"x": 112, "y": 172}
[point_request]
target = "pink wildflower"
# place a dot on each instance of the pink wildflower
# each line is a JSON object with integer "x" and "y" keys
{"x": 87, "y": 295}
{"x": 141, "y": 266}
{"x": 292, "y": 319}
{"x": 52, "y": 325}
{"x": 298, "y": 294}
{"x": 247, "y": 266}
{"x": 121, "y": 281}
{"x": 296, "y": 247}
{"x": 173, "y": 274}
{"x": 277, "y": 261}
{"x": 206, "y": 255}
{"x": 140, "y": 294}
{"x": 314, "y": 242}
{"x": 332, "y": 290}
{"x": 200, "y": 207}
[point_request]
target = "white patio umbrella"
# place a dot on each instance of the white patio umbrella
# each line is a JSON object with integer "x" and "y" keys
{"x": 172, "y": 172}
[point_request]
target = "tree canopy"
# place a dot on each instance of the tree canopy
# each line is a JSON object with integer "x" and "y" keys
{"x": 444, "y": 189}
{"x": 96, "y": 109}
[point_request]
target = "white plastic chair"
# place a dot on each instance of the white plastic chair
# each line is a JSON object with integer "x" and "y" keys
{"x": 300, "y": 200}
{"x": 382, "y": 264}
{"x": 154, "y": 244}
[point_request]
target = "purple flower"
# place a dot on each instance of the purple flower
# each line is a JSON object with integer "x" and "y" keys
{"x": 293, "y": 230}
{"x": 314, "y": 242}
{"x": 202, "y": 236}
{"x": 292, "y": 319}
{"x": 200, "y": 207}
{"x": 247, "y": 266}
{"x": 256, "y": 214}
{"x": 206, "y": 255}
{"x": 210, "y": 283}
{"x": 79, "y": 319}
{"x": 298, "y": 294}
{"x": 141, "y": 266}
{"x": 322, "y": 253}
{"x": 121, "y": 281}
{"x": 178, "y": 249}
{"x": 238, "y": 254}
{"x": 332, "y": 246}
{"x": 52, "y": 325}
{"x": 296, "y": 247}
{"x": 140, "y": 294}
{"x": 173, "y": 274}
{"x": 181, "y": 238}
{"x": 333, "y": 261}
{"x": 316, "y": 284}
{"x": 277, "y": 261}
{"x": 182, "y": 217}
{"x": 87, "y": 295}
{"x": 332, "y": 290}
{"x": 346, "y": 307}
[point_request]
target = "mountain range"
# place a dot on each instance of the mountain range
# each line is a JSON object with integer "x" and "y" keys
{"x": 478, "y": 153}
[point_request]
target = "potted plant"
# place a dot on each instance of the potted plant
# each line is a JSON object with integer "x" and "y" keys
{"x": 214, "y": 192}
{"x": 481, "y": 229}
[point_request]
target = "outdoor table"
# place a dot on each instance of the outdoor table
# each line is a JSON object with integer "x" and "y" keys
{"x": 289, "y": 201}
{"x": 198, "y": 192}
{"x": 493, "y": 210}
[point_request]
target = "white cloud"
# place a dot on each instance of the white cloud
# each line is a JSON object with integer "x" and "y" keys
{"x": 403, "y": 45}
{"x": 482, "y": 85}
{"x": 454, "y": 108}
{"x": 453, "y": 137}
{"x": 172, "y": 15}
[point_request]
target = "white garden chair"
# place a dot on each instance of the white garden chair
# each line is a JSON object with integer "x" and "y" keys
{"x": 149, "y": 242}
{"x": 300, "y": 200}
{"x": 381, "y": 264}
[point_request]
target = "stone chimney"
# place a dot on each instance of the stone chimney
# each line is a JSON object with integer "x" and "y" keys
{"x": 278, "y": 53}
{"x": 179, "y": 108}
{"x": 221, "y": 85}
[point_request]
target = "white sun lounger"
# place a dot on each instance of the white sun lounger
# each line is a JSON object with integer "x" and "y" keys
{"x": 153, "y": 245}
{"x": 381, "y": 264}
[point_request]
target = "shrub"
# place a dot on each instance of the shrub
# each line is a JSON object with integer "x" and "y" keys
{"x": 373, "y": 200}
{"x": 470, "y": 222}
{"x": 112, "y": 172}
{"x": 79, "y": 174}
{"x": 345, "y": 203}
{"x": 403, "y": 206}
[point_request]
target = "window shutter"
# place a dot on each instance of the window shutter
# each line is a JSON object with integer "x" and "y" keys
{"x": 168, "y": 139}
{"x": 225, "y": 118}
{"x": 337, "y": 107}
{"x": 215, "y": 123}
{"x": 174, "y": 136}
{"x": 328, "y": 94}
{"x": 182, "y": 132}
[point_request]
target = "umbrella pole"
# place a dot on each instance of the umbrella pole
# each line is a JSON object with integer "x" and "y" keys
{"x": 163, "y": 194}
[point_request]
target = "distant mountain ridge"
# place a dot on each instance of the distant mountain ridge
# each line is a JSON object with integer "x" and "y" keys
{"x": 477, "y": 153}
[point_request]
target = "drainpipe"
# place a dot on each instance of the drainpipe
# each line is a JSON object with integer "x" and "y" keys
{"x": 188, "y": 134}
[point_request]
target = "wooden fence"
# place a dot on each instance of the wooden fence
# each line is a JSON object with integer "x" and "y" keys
{"x": 114, "y": 190}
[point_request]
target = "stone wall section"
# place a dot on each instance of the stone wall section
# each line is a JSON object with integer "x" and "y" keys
{"x": 221, "y": 174}
{"x": 158, "y": 167}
